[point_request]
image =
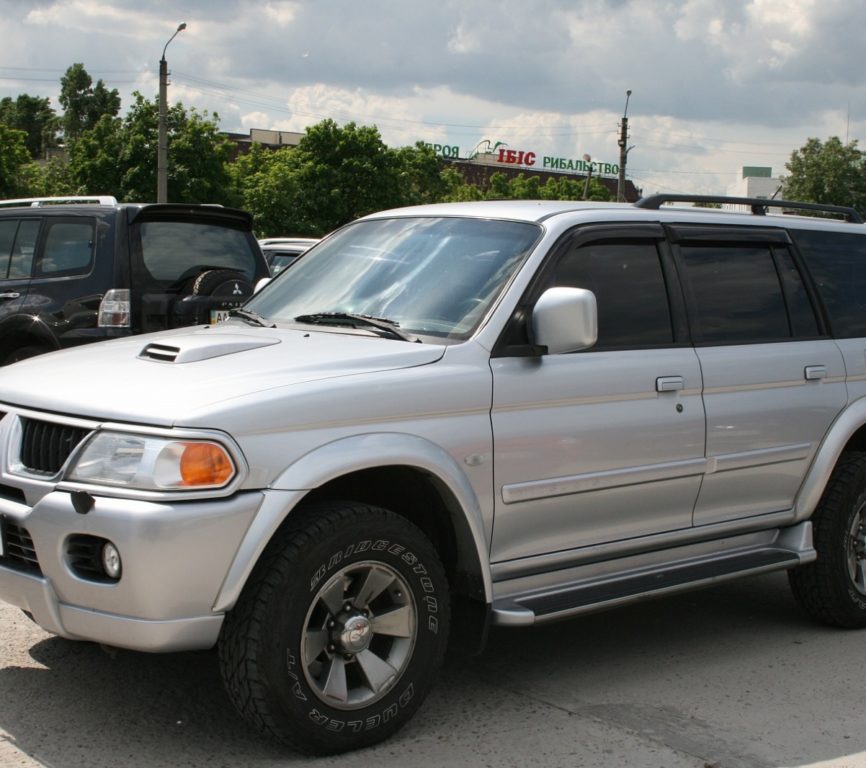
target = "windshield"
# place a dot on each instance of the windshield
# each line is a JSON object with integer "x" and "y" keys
{"x": 432, "y": 276}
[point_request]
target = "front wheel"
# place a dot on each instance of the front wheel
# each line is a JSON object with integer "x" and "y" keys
{"x": 833, "y": 588}
{"x": 340, "y": 633}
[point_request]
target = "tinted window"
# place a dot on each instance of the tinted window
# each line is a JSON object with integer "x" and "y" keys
{"x": 735, "y": 294}
{"x": 22, "y": 247}
{"x": 171, "y": 249}
{"x": 68, "y": 249}
{"x": 837, "y": 262}
{"x": 801, "y": 313}
{"x": 629, "y": 288}
{"x": 7, "y": 240}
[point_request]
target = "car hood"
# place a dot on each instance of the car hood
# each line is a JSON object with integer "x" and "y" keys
{"x": 163, "y": 378}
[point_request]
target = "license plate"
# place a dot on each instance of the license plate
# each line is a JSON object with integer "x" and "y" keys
{"x": 217, "y": 315}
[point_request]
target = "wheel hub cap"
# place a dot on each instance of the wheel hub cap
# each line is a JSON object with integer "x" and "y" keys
{"x": 355, "y": 635}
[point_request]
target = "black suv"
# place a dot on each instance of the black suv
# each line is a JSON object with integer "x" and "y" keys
{"x": 81, "y": 269}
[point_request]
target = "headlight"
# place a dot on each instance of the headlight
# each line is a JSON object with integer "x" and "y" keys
{"x": 153, "y": 463}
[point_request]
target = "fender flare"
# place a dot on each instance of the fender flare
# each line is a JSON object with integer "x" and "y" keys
{"x": 30, "y": 325}
{"x": 851, "y": 419}
{"x": 346, "y": 456}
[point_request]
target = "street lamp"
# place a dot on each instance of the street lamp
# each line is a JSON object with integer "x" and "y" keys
{"x": 162, "y": 143}
{"x": 623, "y": 152}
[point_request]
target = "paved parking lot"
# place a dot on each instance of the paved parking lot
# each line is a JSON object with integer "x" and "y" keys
{"x": 731, "y": 676}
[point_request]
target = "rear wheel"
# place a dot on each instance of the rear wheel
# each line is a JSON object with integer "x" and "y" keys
{"x": 833, "y": 588}
{"x": 339, "y": 635}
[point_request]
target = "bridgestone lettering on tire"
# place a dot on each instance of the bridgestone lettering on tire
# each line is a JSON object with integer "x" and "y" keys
{"x": 833, "y": 588}
{"x": 340, "y": 633}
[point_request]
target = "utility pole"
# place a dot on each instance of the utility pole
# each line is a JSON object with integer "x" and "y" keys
{"x": 588, "y": 160}
{"x": 623, "y": 152}
{"x": 162, "y": 140}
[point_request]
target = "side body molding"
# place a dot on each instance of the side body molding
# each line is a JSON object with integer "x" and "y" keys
{"x": 352, "y": 454}
{"x": 843, "y": 428}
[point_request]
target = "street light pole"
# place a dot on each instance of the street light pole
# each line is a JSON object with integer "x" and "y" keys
{"x": 162, "y": 141}
{"x": 623, "y": 152}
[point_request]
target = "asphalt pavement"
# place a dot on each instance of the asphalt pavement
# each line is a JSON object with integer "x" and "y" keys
{"x": 732, "y": 676}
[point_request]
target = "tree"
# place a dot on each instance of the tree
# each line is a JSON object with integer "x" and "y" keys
{"x": 333, "y": 176}
{"x": 83, "y": 103}
{"x": 421, "y": 179}
{"x": 14, "y": 158}
{"x": 118, "y": 156}
{"x": 343, "y": 173}
{"x": 36, "y": 117}
{"x": 831, "y": 173}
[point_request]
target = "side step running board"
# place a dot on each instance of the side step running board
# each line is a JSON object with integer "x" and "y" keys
{"x": 584, "y": 597}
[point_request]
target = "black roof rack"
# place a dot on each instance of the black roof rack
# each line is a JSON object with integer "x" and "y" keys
{"x": 759, "y": 205}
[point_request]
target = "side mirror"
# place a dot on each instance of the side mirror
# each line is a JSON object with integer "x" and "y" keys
{"x": 261, "y": 284}
{"x": 565, "y": 320}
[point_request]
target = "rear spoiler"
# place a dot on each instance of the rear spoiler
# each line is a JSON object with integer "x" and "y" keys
{"x": 189, "y": 212}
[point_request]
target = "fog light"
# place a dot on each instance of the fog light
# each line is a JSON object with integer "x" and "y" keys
{"x": 111, "y": 560}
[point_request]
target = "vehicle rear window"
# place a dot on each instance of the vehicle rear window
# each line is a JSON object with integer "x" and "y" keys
{"x": 170, "y": 249}
{"x": 837, "y": 262}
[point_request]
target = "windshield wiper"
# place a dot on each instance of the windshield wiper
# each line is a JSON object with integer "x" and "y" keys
{"x": 385, "y": 327}
{"x": 251, "y": 317}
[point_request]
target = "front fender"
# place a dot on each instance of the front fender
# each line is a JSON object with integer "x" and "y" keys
{"x": 352, "y": 454}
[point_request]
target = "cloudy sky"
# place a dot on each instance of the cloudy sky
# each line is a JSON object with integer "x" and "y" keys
{"x": 716, "y": 84}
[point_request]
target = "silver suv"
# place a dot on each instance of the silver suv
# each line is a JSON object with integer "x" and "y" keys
{"x": 449, "y": 417}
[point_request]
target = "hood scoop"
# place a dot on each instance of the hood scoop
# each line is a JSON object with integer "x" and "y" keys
{"x": 191, "y": 349}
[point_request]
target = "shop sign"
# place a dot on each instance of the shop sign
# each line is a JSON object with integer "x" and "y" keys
{"x": 499, "y": 152}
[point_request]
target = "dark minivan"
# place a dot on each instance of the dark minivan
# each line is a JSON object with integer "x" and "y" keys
{"x": 81, "y": 269}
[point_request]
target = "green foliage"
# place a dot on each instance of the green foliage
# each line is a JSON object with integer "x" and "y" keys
{"x": 828, "y": 172}
{"x": 118, "y": 156}
{"x": 14, "y": 158}
{"x": 35, "y": 117}
{"x": 335, "y": 175}
{"x": 83, "y": 103}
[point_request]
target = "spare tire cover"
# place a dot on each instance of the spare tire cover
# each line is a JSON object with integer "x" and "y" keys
{"x": 223, "y": 284}
{"x": 214, "y": 289}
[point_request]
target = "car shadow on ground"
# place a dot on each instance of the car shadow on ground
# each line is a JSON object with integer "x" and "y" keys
{"x": 715, "y": 674}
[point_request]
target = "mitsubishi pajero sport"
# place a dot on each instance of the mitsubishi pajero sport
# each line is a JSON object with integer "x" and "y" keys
{"x": 80, "y": 269}
{"x": 444, "y": 418}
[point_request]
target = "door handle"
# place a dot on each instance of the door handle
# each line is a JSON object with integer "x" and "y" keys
{"x": 815, "y": 372}
{"x": 669, "y": 383}
{"x": 11, "y": 295}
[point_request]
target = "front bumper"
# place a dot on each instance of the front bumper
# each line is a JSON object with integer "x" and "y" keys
{"x": 175, "y": 557}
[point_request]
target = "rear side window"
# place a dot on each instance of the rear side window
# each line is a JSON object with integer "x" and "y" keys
{"x": 67, "y": 249}
{"x": 629, "y": 287}
{"x": 17, "y": 246}
{"x": 173, "y": 250}
{"x": 736, "y": 294}
{"x": 837, "y": 262}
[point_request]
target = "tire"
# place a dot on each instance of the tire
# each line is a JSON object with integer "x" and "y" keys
{"x": 340, "y": 632}
{"x": 222, "y": 283}
{"x": 833, "y": 588}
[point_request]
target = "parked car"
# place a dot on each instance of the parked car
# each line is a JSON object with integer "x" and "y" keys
{"x": 81, "y": 269}
{"x": 282, "y": 252}
{"x": 453, "y": 416}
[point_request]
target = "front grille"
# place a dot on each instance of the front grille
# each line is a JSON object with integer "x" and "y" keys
{"x": 46, "y": 446}
{"x": 20, "y": 552}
